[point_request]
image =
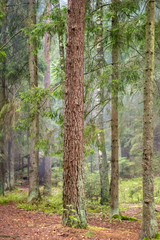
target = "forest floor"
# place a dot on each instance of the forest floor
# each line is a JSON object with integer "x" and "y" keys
{"x": 29, "y": 225}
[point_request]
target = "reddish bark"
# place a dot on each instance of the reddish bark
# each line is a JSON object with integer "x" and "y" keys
{"x": 73, "y": 186}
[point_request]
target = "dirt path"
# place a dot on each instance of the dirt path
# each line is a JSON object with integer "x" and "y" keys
{"x": 19, "y": 224}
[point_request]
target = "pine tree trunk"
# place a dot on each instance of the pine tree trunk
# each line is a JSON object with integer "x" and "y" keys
{"x": 34, "y": 127}
{"x": 74, "y": 213}
{"x": 47, "y": 162}
{"x": 149, "y": 224}
{"x": 114, "y": 199}
{"x": 103, "y": 164}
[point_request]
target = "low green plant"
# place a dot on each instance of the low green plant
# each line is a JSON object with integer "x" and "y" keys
{"x": 14, "y": 196}
{"x": 129, "y": 218}
{"x": 157, "y": 237}
{"x": 48, "y": 205}
{"x": 73, "y": 220}
{"x": 89, "y": 234}
{"x": 130, "y": 190}
{"x": 95, "y": 207}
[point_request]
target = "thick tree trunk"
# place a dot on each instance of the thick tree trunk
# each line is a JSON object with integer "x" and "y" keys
{"x": 114, "y": 199}
{"x": 74, "y": 213}
{"x": 149, "y": 224}
{"x": 47, "y": 162}
{"x": 103, "y": 164}
{"x": 34, "y": 128}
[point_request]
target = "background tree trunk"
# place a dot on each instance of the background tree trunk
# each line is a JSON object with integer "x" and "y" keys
{"x": 149, "y": 224}
{"x": 103, "y": 164}
{"x": 47, "y": 161}
{"x": 114, "y": 201}
{"x": 34, "y": 128}
{"x": 61, "y": 44}
{"x": 74, "y": 213}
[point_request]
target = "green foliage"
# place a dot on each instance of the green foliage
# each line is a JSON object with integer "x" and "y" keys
{"x": 48, "y": 205}
{"x": 130, "y": 190}
{"x": 16, "y": 195}
{"x": 57, "y": 176}
{"x": 117, "y": 216}
{"x": 129, "y": 218}
{"x": 90, "y": 136}
{"x": 2, "y": 10}
{"x": 95, "y": 207}
{"x": 56, "y": 25}
{"x": 125, "y": 166}
{"x": 2, "y": 55}
{"x": 157, "y": 237}
{"x": 92, "y": 184}
{"x": 89, "y": 234}
{"x": 73, "y": 218}
{"x": 33, "y": 101}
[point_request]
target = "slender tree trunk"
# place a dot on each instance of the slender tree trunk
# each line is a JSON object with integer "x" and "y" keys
{"x": 61, "y": 44}
{"x": 2, "y": 164}
{"x": 34, "y": 128}
{"x": 3, "y": 138}
{"x": 114, "y": 198}
{"x": 74, "y": 213}
{"x": 12, "y": 163}
{"x": 149, "y": 224}
{"x": 47, "y": 162}
{"x": 103, "y": 164}
{"x": 1, "y": 175}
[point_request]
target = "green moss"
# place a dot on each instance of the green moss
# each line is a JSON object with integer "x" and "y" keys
{"x": 89, "y": 234}
{"x": 116, "y": 216}
{"x": 129, "y": 218}
{"x": 96, "y": 228}
{"x": 157, "y": 237}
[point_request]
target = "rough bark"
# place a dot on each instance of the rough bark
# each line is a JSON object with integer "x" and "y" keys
{"x": 103, "y": 164}
{"x": 149, "y": 224}
{"x": 47, "y": 162}
{"x": 34, "y": 127}
{"x": 74, "y": 213}
{"x": 114, "y": 198}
